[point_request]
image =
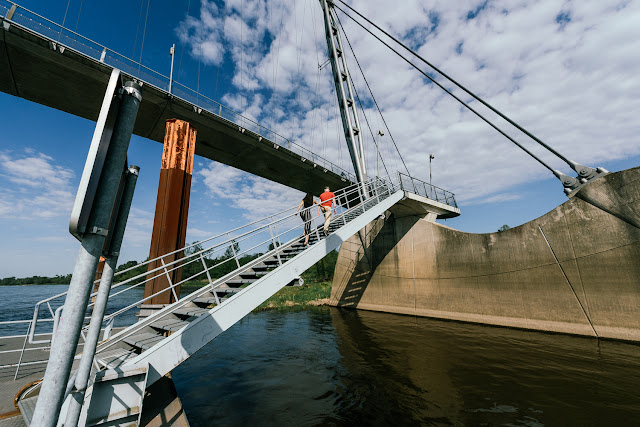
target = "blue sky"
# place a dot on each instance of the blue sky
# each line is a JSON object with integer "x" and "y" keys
{"x": 566, "y": 70}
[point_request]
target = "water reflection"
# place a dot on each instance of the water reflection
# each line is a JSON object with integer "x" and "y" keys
{"x": 338, "y": 367}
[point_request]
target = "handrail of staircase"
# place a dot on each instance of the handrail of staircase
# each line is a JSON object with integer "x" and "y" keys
{"x": 430, "y": 191}
{"x": 275, "y": 220}
{"x": 47, "y": 300}
{"x": 388, "y": 186}
{"x": 97, "y": 51}
{"x": 238, "y": 239}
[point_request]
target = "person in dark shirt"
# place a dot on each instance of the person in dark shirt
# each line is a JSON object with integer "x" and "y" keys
{"x": 306, "y": 204}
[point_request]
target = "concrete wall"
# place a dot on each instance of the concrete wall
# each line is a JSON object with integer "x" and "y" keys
{"x": 585, "y": 280}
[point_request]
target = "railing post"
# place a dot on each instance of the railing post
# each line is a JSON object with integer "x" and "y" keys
{"x": 166, "y": 272}
{"x": 50, "y": 309}
{"x": 317, "y": 232}
{"x": 233, "y": 250}
{"x": 24, "y": 344}
{"x": 275, "y": 247}
{"x": 36, "y": 312}
{"x": 275, "y": 231}
{"x": 206, "y": 270}
{"x": 108, "y": 329}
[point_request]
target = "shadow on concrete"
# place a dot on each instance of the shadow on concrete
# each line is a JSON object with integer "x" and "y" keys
{"x": 376, "y": 242}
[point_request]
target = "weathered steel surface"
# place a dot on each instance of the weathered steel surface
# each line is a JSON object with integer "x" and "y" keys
{"x": 585, "y": 280}
{"x": 172, "y": 206}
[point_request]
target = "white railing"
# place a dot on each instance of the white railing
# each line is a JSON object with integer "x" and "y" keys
{"x": 219, "y": 257}
{"x": 70, "y": 39}
{"x": 427, "y": 190}
{"x": 284, "y": 230}
{"x": 240, "y": 245}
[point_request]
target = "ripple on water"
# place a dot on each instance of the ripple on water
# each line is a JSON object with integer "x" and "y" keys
{"x": 338, "y": 367}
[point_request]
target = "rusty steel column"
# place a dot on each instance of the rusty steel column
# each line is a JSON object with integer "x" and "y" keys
{"x": 172, "y": 207}
{"x": 96, "y": 282}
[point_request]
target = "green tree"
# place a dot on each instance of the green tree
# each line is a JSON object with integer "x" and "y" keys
{"x": 505, "y": 227}
{"x": 234, "y": 246}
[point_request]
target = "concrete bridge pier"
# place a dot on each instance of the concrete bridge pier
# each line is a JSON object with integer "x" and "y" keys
{"x": 574, "y": 270}
{"x": 172, "y": 208}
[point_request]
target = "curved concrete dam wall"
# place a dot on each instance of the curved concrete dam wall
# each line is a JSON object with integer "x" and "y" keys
{"x": 574, "y": 270}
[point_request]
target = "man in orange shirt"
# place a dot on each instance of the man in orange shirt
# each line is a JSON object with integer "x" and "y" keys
{"x": 327, "y": 204}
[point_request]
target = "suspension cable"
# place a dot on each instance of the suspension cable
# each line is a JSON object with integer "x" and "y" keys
{"x": 183, "y": 41}
{"x": 372, "y": 97}
{"x": 79, "y": 12}
{"x": 369, "y": 126}
{"x": 63, "y": 20}
{"x": 516, "y": 125}
{"x": 144, "y": 33}
{"x": 451, "y": 94}
{"x": 135, "y": 42}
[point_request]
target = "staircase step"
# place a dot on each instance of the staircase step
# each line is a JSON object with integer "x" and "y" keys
{"x": 226, "y": 291}
{"x": 190, "y": 311}
{"x": 205, "y": 301}
{"x": 144, "y": 340}
{"x": 169, "y": 324}
{"x": 294, "y": 251}
{"x": 114, "y": 358}
{"x": 252, "y": 274}
{"x": 235, "y": 283}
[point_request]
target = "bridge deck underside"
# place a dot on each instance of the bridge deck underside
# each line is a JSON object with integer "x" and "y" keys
{"x": 75, "y": 83}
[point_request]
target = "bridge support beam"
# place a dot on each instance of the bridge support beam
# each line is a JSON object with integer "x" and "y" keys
{"x": 172, "y": 207}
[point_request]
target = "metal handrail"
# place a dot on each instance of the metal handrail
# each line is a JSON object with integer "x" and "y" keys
{"x": 161, "y": 82}
{"x": 389, "y": 188}
{"x": 376, "y": 188}
{"x": 430, "y": 190}
{"x": 273, "y": 220}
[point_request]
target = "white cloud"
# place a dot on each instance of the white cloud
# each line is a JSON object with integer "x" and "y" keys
{"x": 256, "y": 196}
{"x": 565, "y": 70}
{"x": 33, "y": 186}
{"x": 497, "y": 198}
{"x": 139, "y": 228}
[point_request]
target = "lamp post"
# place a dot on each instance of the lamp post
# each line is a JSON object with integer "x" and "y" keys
{"x": 172, "y": 52}
{"x": 431, "y": 157}
{"x": 380, "y": 133}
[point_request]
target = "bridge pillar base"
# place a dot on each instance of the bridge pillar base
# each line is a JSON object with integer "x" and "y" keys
{"x": 172, "y": 207}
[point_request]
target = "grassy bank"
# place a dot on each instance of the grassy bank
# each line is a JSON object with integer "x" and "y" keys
{"x": 311, "y": 294}
{"x": 298, "y": 297}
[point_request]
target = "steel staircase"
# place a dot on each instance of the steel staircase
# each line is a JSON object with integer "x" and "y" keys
{"x": 164, "y": 340}
{"x": 126, "y": 363}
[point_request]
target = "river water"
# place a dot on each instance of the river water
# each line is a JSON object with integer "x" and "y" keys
{"x": 337, "y": 367}
{"x": 330, "y": 366}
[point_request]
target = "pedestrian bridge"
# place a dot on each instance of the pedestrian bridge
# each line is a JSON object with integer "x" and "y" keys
{"x": 45, "y": 63}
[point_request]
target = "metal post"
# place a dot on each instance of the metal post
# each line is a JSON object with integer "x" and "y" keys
{"x": 233, "y": 250}
{"x": 275, "y": 247}
{"x": 380, "y": 133}
{"x": 166, "y": 272}
{"x": 431, "y": 157}
{"x": 62, "y": 352}
{"x": 89, "y": 350}
{"x": 24, "y": 344}
{"x": 171, "y": 52}
{"x": 206, "y": 270}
